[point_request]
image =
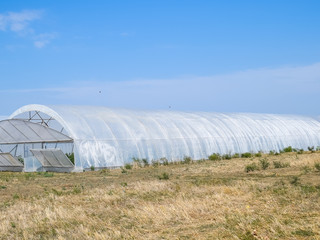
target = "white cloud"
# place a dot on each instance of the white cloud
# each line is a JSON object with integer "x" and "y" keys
{"x": 19, "y": 23}
{"x": 42, "y": 40}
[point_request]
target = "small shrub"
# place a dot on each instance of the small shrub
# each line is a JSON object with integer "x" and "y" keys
{"x": 123, "y": 170}
{"x": 92, "y": 168}
{"x": 15, "y": 196}
{"x": 306, "y": 169}
{"x": 155, "y": 163}
{"x": 226, "y": 156}
{"x": 272, "y": 152}
{"x": 104, "y": 171}
{"x": 137, "y": 162}
{"x": 288, "y": 149}
{"x": 164, "y": 176}
{"x": 124, "y": 184}
{"x": 236, "y": 155}
{"x": 164, "y": 161}
{"x": 128, "y": 166}
{"x": 278, "y": 164}
{"x": 48, "y": 174}
{"x": 264, "y": 163}
{"x": 300, "y": 151}
{"x": 259, "y": 154}
{"x": 187, "y": 160}
{"x": 76, "y": 190}
{"x": 304, "y": 233}
{"x": 295, "y": 180}
{"x": 215, "y": 157}
{"x": 311, "y": 149}
{"x": 145, "y": 162}
{"x": 251, "y": 167}
{"x": 317, "y": 166}
{"x": 246, "y": 155}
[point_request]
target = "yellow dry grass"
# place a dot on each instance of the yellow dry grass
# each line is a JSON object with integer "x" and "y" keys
{"x": 200, "y": 200}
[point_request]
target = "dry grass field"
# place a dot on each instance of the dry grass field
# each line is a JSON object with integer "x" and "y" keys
{"x": 198, "y": 200}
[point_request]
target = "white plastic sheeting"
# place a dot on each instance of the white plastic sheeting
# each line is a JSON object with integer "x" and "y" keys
{"x": 112, "y": 137}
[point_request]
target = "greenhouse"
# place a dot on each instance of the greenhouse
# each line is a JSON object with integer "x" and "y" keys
{"x": 103, "y": 137}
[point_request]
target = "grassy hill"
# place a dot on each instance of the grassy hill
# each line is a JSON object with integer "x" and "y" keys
{"x": 221, "y": 199}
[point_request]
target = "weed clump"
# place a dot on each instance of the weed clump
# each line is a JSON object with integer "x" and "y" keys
{"x": 215, "y": 157}
{"x": 128, "y": 166}
{"x": 251, "y": 167}
{"x": 278, "y": 164}
{"x": 236, "y": 155}
{"x": 187, "y": 160}
{"x": 317, "y": 166}
{"x": 264, "y": 163}
{"x": 246, "y": 155}
{"x": 311, "y": 149}
{"x": 226, "y": 156}
{"x": 288, "y": 149}
{"x": 295, "y": 180}
{"x": 163, "y": 176}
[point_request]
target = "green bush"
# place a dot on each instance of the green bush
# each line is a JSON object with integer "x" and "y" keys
{"x": 164, "y": 176}
{"x": 48, "y": 174}
{"x": 92, "y": 168}
{"x": 317, "y": 166}
{"x": 295, "y": 180}
{"x": 215, "y": 157}
{"x": 272, "y": 152}
{"x": 187, "y": 160}
{"x": 145, "y": 162}
{"x": 288, "y": 149}
{"x": 264, "y": 163}
{"x": 311, "y": 149}
{"x": 236, "y": 155}
{"x": 300, "y": 151}
{"x": 128, "y": 166}
{"x": 246, "y": 155}
{"x": 137, "y": 161}
{"x": 155, "y": 163}
{"x": 259, "y": 154}
{"x": 278, "y": 164}
{"x": 251, "y": 167}
{"x": 164, "y": 161}
{"x": 226, "y": 156}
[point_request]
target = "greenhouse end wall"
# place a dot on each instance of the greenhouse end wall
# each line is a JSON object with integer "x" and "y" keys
{"x": 105, "y": 137}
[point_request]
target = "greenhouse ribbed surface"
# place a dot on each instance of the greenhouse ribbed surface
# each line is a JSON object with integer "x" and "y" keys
{"x": 105, "y": 137}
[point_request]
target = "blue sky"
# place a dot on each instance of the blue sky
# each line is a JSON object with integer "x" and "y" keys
{"x": 222, "y": 56}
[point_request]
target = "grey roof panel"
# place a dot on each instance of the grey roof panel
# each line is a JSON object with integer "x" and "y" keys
{"x": 15, "y": 131}
{"x": 52, "y": 158}
{"x": 6, "y": 159}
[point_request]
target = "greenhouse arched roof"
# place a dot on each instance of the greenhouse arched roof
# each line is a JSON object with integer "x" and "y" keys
{"x": 112, "y": 137}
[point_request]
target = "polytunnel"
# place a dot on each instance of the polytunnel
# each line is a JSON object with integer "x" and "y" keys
{"x": 105, "y": 137}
